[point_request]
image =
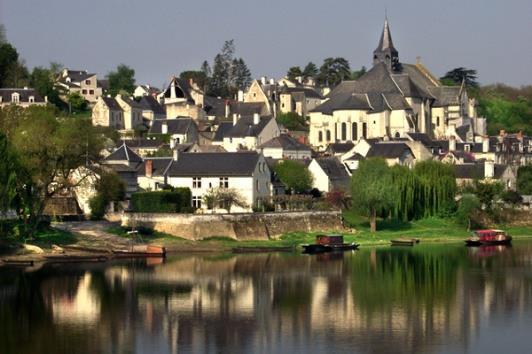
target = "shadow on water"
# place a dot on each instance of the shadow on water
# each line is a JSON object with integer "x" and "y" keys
{"x": 404, "y": 300}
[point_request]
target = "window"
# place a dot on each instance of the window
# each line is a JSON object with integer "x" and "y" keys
{"x": 467, "y": 148}
{"x": 257, "y": 185}
{"x": 437, "y": 121}
{"x": 31, "y": 99}
{"x": 320, "y": 136}
{"x": 354, "y": 131}
{"x": 87, "y": 82}
{"x": 15, "y": 97}
{"x": 196, "y": 202}
{"x": 91, "y": 92}
{"x": 224, "y": 182}
{"x": 328, "y": 135}
{"x": 84, "y": 92}
{"x": 344, "y": 131}
{"x": 196, "y": 182}
{"x": 364, "y": 130}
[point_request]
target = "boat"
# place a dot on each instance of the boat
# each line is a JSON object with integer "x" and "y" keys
{"x": 141, "y": 251}
{"x": 329, "y": 243}
{"x": 489, "y": 237}
{"x": 404, "y": 241}
{"x": 63, "y": 258}
{"x": 18, "y": 262}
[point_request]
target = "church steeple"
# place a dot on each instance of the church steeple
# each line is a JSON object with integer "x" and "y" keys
{"x": 385, "y": 51}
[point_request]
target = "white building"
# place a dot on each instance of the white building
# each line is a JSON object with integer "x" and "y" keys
{"x": 285, "y": 147}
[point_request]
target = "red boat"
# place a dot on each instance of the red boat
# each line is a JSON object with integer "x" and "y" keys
{"x": 329, "y": 243}
{"x": 489, "y": 237}
{"x": 141, "y": 251}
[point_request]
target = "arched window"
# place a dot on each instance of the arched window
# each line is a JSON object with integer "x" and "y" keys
{"x": 397, "y": 135}
{"x": 344, "y": 131}
{"x": 320, "y": 136}
{"x": 328, "y": 135}
{"x": 364, "y": 130}
{"x": 354, "y": 131}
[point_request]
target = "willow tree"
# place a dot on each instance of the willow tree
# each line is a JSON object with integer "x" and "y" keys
{"x": 372, "y": 189}
{"x": 406, "y": 193}
{"x": 438, "y": 186}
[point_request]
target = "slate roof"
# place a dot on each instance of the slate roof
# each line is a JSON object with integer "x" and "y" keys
{"x": 182, "y": 89}
{"x": 77, "y": 75}
{"x": 111, "y": 103}
{"x": 223, "y": 130}
{"x": 476, "y": 170}
{"x": 445, "y": 95}
{"x": 175, "y": 126}
{"x": 214, "y": 164}
{"x": 462, "y": 132}
{"x": 340, "y": 148}
{"x": 24, "y": 93}
{"x": 150, "y": 103}
{"x": 309, "y": 92}
{"x": 335, "y": 170}
{"x": 131, "y": 102}
{"x": 388, "y": 150}
{"x": 244, "y": 127}
{"x": 285, "y": 142}
{"x": 159, "y": 166}
{"x": 422, "y": 138}
{"x": 124, "y": 153}
{"x": 142, "y": 143}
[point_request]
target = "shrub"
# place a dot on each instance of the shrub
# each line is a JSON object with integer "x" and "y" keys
{"x": 98, "y": 204}
{"x": 175, "y": 201}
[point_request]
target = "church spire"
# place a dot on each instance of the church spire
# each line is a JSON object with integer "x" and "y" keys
{"x": 385, "y": 51}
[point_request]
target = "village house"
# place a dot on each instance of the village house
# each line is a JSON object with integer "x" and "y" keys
{"x": 246, "y": 133}
{"x": 151, "y": 109}
{"x": 145, "y": 90}
{"x": 125, "y": 162}
{"x": 82, "y": 82}
{"x": 488, "y": 171}
{"x": 298, "y": 99}
{"x": 132, "y": 112}
{"x": 245, "y": 172}
{"x": 390, "y": 100}
{"x": 152, "y": 172}
{"x": 181, "y": 130}
{"x": 328, "y": 174}
{"x": 285, "y": 147}
{"x": 23, "y": 97}
{"x": 108, "y": 113}
{"x": 182, "y": 99}
{"x": 262, "y": 91}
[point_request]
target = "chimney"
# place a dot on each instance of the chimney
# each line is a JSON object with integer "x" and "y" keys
{"x": 164, "y": 128}
{"x": 227, "y": 109}
{"x": 148, "y": 168}
{"x": 489, "y": 169}
{"x": 235, "y": 119}
{"x": 240, "y": 96}
{"x": 272, "y": 81}
{"x": 452, "y": 143}
{"x": 256, "y": 118}
{"x": 263, "y": 80}
{"x": 46, "y": 99}
{"x": 299, "y": 79}
{"x": 485, "y": 144}
{"x": 175, "y": 154}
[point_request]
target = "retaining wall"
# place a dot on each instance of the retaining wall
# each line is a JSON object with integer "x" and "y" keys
{"x": 256, "y": 226}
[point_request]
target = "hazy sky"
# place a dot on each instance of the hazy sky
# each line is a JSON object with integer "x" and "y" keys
{"x": 161, "y": 37}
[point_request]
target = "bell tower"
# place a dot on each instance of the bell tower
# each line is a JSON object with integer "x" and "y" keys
{"x": 385, "y": 51}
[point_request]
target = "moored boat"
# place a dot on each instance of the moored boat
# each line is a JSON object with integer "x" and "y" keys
{"x": 404, "y": 241}
{"x": 489, "y": 237}
{"x": 141, "y": 251}
{"x": 63, "y": 258}
{"x": 329, "y": 243}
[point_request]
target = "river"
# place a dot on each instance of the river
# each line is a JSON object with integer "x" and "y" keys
{"x": 441, "y": 298}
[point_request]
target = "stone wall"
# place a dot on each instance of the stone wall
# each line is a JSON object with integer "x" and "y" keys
{"x": 257, "y": 226}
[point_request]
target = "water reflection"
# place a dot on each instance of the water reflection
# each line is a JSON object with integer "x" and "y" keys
{"x": 401, "y": 300}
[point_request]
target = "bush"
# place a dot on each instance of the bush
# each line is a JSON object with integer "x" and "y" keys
{"x": 176, "y": 201}
{"x": 512, "y": 197}
{"x": 98, "y": 203}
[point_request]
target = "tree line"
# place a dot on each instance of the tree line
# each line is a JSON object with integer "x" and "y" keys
{"x": 330, "y": 73}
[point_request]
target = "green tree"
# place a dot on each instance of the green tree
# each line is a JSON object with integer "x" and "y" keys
{"x": 511, "y": 197}
{"x": 8, "y": 174}
{"x": 371, "y": 189}
{"x": 197, "y": 76}
{"x": 292, "y": 121}
{"x": 76, "y": 103}
{"x": 487, "y": 192}
{"x": 123, "y": 78}
{"x": 310, "y": 71}
{"x": 468, "y": 206}
{"x": 109, "y": 188}
{"x": 8, "y": 59}
{"x": 43, "y": 80}
{"x": 355, "y": 75}
{"x": 241, "y": 76}
{"x": 333, "y": 71}
{"x": 294, "y": 175}
{"x": 293, "y": 73}
{"x": 438, "y": 186}
{"x": 524, "y": 180}
{"x": 51, "y": 151}
{"x": 457, "y": 75}
{"x": 221, "y": 73}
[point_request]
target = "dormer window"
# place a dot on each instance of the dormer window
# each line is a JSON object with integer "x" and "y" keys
{"x": 87, "y": 82}
{"x": 15, "y": 97}
{"x": 467, "y": 147}
{"x": 68, "y": 79}
{"x": 31, "y": 99}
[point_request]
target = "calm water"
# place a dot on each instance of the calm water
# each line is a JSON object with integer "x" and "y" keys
{"x": 429, "y": 299}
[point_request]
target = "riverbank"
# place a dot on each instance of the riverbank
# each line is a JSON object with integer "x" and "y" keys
{"x": 103, "y": 237}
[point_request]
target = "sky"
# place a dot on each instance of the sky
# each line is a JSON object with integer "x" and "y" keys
{"x": 159, "y": 38}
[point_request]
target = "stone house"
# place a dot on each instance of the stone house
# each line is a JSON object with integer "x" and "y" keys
{"x": 466, "y": 173}
{"x": 329, "y": 174}
{"x": 107, "y": 112}
{"x": 298, "y": 99}
{"x": 23, "y": 97}
{"x": 145, "y": 90}
{"x": 181, "y": 130}
{"x": 285, "y": 147}
{"x": 151, "y": 109}
{"x": 82, "y": 82}
{"x": 262, "y": 91}
{"x": 132, "y": 112}
{"x": 182, "y": 99}
{"x": 246, "y": 172}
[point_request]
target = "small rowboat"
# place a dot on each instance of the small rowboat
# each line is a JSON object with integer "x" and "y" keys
{"x": 489, "y": 237}
{"x": 75, "y": 258}
{"x": 404, "y": 241}
{"x": 141, "y": 251}
{"x": 329, "y": 243}
{"x": 18, "y": 262}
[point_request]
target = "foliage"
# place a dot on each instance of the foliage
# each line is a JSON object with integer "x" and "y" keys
{"x": 76, "y": 103}
{"x": 292, "y": 121}
{"x": 333, "y": 71}
{"x": 438, "y": 186}
{"x": 524, "y": 180}
{"x": 501, "y": 113}
{"x": 487, "y": 192}
{"x": 98, "y": 206}
{"x": 457, "y": 75}
{"x": 468, "y": 206}
{"x": 220, "y": 80}
{"x": 337, "y": 198}
{"x": 240, "y": 75}
{"x": 294, "y": 175}
{"x": 511, "y": 197}
{"x": 174, "y": 201}
{"x": 310, "y": 71}
{"x": 8, "y": 175}
{"x": 43, "y": 80}
{"x": 293, "y": 73}
{"x": 123, "y": 78}
{"x": 199, "y": 77}
{"x": 8, "y": 59}
{"x": 224, "y": 198}
{"x": 358, "y": 73}
{"x": 372, "y": 188}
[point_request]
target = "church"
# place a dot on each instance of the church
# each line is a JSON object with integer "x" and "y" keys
{"x": 390, "y": 100}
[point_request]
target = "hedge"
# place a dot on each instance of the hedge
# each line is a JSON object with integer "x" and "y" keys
{"x": 175, "y": 201}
